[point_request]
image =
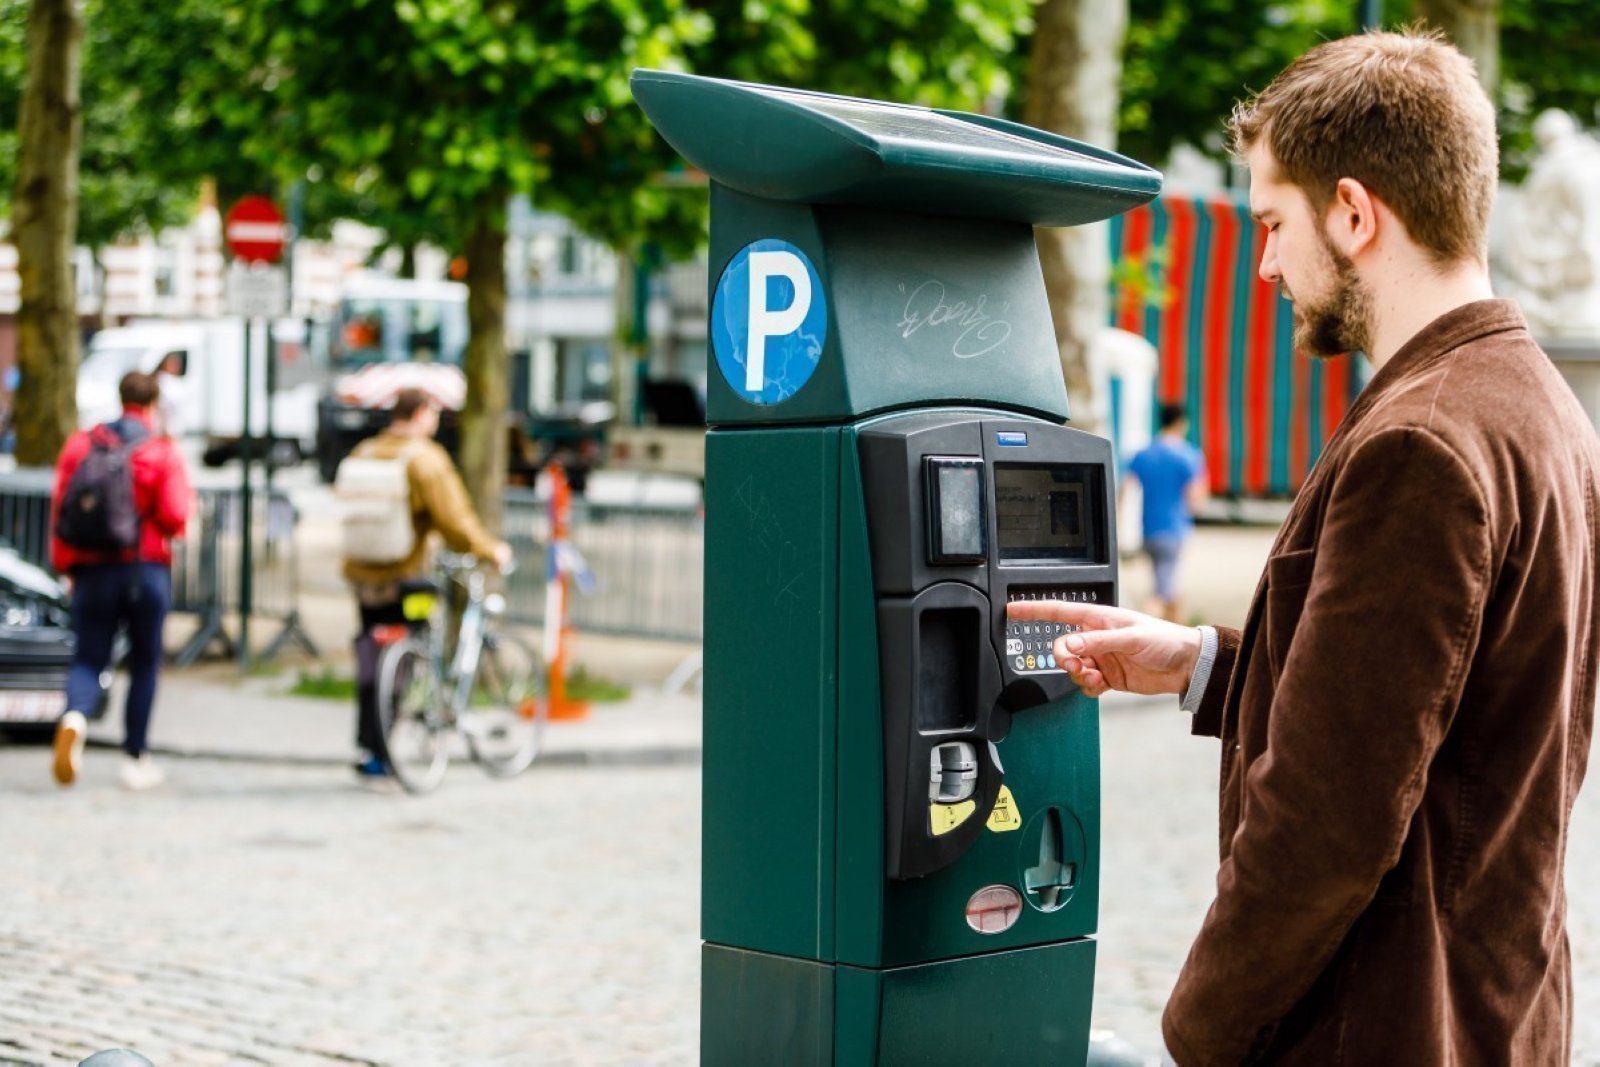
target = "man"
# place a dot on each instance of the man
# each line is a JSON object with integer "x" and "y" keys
{"x": 115, "y": 588}
{"x": 174, "y": 393}
{"x": 1405, "y": 718}
{"x": 1171, "y": 473}
{"x": 438, "y": 501}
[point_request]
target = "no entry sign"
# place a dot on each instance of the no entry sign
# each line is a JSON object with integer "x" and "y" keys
{"x": 254, "y": 230}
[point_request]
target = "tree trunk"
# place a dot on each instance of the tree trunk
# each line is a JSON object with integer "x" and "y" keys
{"x": 1073, "y": 78}
{"x": 483, "y": 419}
{"x": 1474, "y": 27}
{"x": 44, "y": 218}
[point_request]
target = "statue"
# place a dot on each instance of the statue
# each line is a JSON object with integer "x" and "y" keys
{"x": 1552, "y": 254}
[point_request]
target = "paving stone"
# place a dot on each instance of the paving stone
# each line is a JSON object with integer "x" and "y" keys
{"x": 258, "y": 912}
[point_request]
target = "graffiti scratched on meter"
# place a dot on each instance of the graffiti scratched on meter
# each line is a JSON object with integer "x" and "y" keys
{"x": 768, "y": 321}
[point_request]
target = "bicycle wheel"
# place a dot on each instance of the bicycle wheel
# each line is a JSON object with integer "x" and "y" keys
{"x": 416, "y": 727}
{"x": 505, "y": 718}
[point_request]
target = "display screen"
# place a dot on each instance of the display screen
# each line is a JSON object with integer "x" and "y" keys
{"x": 956, "y": 486}
{"x": 1052, "y": 513}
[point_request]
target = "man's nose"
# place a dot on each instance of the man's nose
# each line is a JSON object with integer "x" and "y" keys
{"x": 1269, "y": 262}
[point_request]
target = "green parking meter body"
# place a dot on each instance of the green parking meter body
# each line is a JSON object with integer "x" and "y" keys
{"x": 901, "y": 789}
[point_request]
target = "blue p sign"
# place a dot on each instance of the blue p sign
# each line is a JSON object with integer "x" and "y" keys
{"x": 768, "y": 321}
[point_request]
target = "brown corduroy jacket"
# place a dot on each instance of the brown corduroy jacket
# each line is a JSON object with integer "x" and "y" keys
{"x": 1405, "y": 722}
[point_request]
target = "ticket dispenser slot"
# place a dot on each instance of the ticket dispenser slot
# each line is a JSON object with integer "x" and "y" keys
{"x": 967, "y": 513}
{"x": 942, "y": 773}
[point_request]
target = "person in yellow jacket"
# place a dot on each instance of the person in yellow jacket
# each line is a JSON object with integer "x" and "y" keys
{"x": 439, "y": 502}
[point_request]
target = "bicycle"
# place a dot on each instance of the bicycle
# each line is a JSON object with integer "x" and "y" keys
{"x": 487, "y": 690}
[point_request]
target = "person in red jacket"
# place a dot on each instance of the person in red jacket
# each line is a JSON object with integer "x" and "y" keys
{"x": 131, "y": 588}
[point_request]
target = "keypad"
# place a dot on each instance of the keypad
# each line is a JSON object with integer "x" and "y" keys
{"x": 1029, "y": 644}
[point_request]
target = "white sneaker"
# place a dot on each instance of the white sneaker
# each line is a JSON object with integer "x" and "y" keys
{"x": 140, "y": 773}
{"x": 70, "y": 732}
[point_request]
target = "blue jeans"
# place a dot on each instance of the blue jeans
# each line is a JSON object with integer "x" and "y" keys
{"x": 1163, "y": 550}
{"x": 106, "y": 597}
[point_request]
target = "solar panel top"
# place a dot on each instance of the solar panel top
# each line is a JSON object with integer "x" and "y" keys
{"x": 800, "y": 146}
{"x": 924, "y": 127}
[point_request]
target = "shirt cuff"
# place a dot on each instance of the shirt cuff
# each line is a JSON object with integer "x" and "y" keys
{"x": 1201, "y": 677}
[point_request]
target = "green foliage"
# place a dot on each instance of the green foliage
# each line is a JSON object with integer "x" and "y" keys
{"x": 1547, "y": 59}
{"x": 324, "y": 684}
{"x": 138, "y": 169}
{"x": 592, "y": 689}
{"x": 1186, "y": 62}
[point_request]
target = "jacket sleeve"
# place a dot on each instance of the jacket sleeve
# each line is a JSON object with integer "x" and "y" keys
{"x": 173, "y": 499}
{"x": 72, "y": 454}
{"x": 1371, "y": 675}
{"x": 445, "y": 499}
{"x": 1208, "y": 718}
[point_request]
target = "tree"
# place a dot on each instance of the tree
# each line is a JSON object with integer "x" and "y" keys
{"x": 1186, "y": 62}
{"x": 1072, "y": 90}
{"x": 43, "y": 221}
{"x": 454, "y": 108}
{"x": 1474, "y": 26}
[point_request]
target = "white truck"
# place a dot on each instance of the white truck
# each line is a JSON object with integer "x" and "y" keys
{"x": 200, "y": 364}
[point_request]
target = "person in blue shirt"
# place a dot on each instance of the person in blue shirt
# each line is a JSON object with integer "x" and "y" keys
{"x": 1172, "y": 474}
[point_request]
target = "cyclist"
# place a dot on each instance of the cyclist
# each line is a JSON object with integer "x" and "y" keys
{"x": 437, "y": 501}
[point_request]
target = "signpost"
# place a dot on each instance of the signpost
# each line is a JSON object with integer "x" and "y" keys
{"x": 255, "y": 233}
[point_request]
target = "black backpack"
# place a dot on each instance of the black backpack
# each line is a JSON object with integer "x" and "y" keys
{"x": 97, "y": 507}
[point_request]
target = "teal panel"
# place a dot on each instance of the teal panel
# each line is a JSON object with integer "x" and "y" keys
{"x": 770, "y": 642}
{"x": 736, "y": 221}
{"x": 861, "y": 804}
{"x": 951, "y": 313}
{"x": 1030, "y": 1006}
{"x": 857, "y": 1014}
{"x": 756, "y": 1008}
{"x": 917, "y": 313}
{"x": 1051, "y": 760}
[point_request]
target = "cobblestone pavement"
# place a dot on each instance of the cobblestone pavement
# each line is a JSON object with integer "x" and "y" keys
{"x": 258, "y": 913}
{"x": 253, "y": 913}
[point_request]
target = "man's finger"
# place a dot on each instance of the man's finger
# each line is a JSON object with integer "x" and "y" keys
{"x": 1090, "y": 644}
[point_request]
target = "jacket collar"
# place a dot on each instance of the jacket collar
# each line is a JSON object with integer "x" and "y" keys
{"x": 1433, "y": 342}
{"x": 143, "y": 416}
{"x": 1449, "y": 331}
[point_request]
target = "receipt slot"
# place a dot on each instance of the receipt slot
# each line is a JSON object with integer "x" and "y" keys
{"x": 900, "y": 829}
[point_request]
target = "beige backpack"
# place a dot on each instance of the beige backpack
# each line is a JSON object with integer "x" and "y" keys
{"x": 374, "y": 498}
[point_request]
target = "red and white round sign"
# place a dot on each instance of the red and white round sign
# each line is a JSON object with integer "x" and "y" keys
{"x": 255, "y": 231}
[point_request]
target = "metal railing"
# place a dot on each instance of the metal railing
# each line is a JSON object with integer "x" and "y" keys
{"x": 205, "y": 563}
{"x": 647, "y": 562}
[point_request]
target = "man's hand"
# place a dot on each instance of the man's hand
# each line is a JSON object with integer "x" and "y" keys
{"x": 1117, "y": 648}
{"x": 503, "y": 558}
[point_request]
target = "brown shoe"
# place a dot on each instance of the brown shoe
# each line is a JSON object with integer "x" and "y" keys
{"x": 70, "y": 732}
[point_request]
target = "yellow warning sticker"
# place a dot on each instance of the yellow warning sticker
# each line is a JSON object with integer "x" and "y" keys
{"x": 1005, "y": 815}
{"x": 946, "y": 817}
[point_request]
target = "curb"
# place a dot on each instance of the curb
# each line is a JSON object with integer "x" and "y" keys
{"x": 645, "y": 756}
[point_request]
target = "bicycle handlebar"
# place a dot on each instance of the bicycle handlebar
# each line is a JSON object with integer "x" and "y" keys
{"x": 465, "y": 562}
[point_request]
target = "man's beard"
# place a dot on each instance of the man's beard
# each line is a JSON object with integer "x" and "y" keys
{"x": 1341, "y": 321}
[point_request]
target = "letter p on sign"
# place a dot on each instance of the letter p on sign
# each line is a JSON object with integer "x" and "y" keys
{"x": 764, "y": 322}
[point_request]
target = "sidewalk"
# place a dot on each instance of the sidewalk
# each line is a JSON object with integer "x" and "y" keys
{"x": 204, "y": 712}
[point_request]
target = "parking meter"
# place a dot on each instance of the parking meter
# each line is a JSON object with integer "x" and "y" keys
{"x": 900, "y": 827}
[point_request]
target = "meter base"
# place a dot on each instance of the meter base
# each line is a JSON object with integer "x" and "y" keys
{"x": 1028, "y": 1005}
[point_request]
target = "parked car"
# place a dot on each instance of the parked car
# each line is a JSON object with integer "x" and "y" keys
{"x": 36, "y": 647}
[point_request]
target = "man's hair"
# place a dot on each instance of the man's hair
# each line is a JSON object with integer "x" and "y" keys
{"x": 409, "y": 401}
{"x": 1401, "y": 113}
{"x": 1172, "y": 414}
{"x": 138, "y": 390}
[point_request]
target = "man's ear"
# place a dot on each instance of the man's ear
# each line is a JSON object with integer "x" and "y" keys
{"x": 1351, "y": 221}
